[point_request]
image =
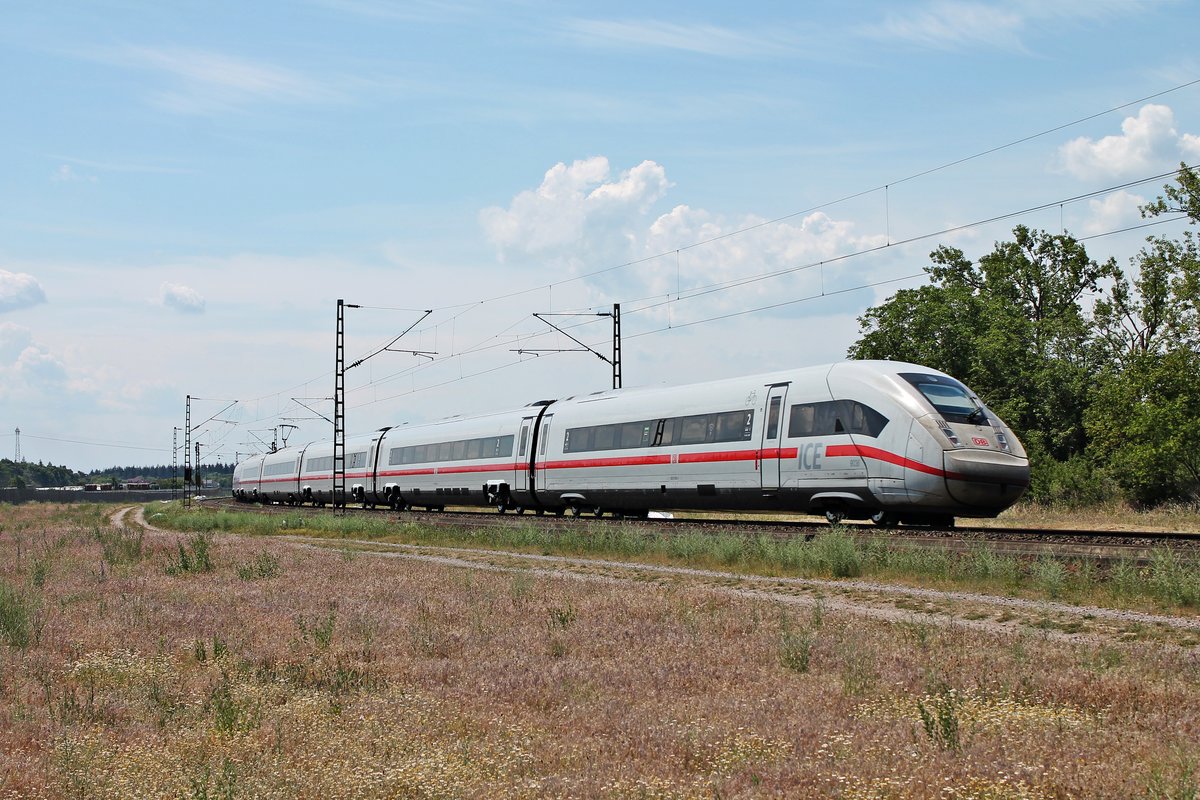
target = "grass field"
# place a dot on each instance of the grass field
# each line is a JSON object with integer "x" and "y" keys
{"x": 212, "y": 665}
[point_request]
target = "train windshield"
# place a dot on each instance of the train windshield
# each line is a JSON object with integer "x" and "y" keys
{"x": 948, "y": 397}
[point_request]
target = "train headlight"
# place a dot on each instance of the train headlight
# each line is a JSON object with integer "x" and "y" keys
{"x": 949, "y": 434}
{"x": 1002, "y": 440}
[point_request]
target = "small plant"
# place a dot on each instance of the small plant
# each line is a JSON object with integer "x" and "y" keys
{"x": 795, "y": 650}
{"x": 940, "y": 718}
{"x": 562, "y": 617}
{"x": 120, "y": 545}
{"x": 263, "y": 566}
{"x": 39, "y": 572}
{"x": 521, "y": 586}
{"x": 230, "y": 714}
{"x": 16, "y": 617}
{"x": 839, "y": 553}
{"x": 1049, "y": 574}
{"x": 859, "y": 671}
{"x": 795, "y": 646}
{"x": 319, "y": 630}
{"x": 193, "y": 558}
{"x": 200, "y": 649}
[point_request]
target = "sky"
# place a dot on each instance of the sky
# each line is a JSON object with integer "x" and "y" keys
{"x": 187, "y": 189}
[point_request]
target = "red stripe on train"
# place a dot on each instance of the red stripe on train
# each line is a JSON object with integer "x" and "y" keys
{"x": 891, "y": 458}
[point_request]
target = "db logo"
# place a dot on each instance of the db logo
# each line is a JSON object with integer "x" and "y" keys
{"x": 979, "y": 440}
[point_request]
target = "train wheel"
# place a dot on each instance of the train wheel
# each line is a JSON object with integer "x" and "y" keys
{"x": 599, "y": 512}
{"x": 576, "y": 511}
{"x": 885, "y": 519}
{"x": 540, "y": 512}
{"x": 519, "y": 509}
{"x": 501, "y": 508}
{"x": 558, "y": 512}
{"x": 835, "y": 517}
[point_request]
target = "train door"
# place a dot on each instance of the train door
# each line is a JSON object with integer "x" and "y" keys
{"x": 772, "y": 437}
{"x": 373, "y": 458}
{"x": 523, "y": 459}
{"x": 543, "y": 439}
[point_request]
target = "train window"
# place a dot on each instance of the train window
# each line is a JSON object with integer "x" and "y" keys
{"x": 773, "y": 418}
{"x": 322, "y": 464}
{"x": 635, "y": 434}
{"x": 524, "y": 437}
{"x": 803, "y": 417}
{"x": 734, "y": 426}
{"x": 458, "y": 451}
{"x": 693, "y": 430}
{"x": 282, "y": 468}
{"x": 504, "y": 446}
{"x": 603, "y": 437}
{"x": 948, "y": 397}
{"x": 863, "y": 419}
{"x": 729, "y": 426}
{"x": 475, "y": 448}
{"x": 834, "y": 416}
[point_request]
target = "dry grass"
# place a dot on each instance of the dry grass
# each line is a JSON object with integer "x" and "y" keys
{"x": 288, "y": 672}
{"x": 1110, "y": 517}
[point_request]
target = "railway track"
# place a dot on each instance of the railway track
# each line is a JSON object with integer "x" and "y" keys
{"x": 1138, "y": 546}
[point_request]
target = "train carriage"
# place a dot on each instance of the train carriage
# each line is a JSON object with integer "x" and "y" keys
{"x": 459, "y": 461}
{"x": 247, "y": 478}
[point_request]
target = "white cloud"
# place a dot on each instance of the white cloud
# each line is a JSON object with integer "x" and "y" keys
{"x": 709, "y": 40}
{"x": 38, "y": 365}
{"x": 1146, "y": 141}
{"x": 736, "y": 265}
{"x": 13, "y": 340}
{"x": 204, "y": 81}
{"x": 66, "y": 174}
{"x": 183, "y": 299}
{"x": 569, "y": 206}
{"x": 1113, "y": 212}
{"x": 1190, "y": 145}
{"x": 954, "y": 26}
{"x": 586, "y": 221}
{"x": 19, "y": 290}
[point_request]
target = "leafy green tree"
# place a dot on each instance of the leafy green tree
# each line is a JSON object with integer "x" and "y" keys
{"x": 1011, "y": 326}
{"x": 1145, "y": 418}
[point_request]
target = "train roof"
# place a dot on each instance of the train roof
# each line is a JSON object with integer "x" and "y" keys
{"x": 864, "y": 369}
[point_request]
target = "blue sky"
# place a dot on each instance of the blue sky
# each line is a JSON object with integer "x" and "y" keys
{"x": 189, "y": 187}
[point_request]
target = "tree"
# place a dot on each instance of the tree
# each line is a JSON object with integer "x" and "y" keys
{"x": 1145, "y": 418}
{"x": 1011, "y": 326}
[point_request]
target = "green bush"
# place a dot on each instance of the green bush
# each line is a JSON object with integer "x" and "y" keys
{"x": 195, "y": 557}
{"x": 16, "y": 617}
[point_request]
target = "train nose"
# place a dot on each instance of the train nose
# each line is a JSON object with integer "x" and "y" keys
{"x": 985, "y": 479}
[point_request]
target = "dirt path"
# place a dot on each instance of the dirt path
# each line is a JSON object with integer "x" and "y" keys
{"x": 885, "y": 602}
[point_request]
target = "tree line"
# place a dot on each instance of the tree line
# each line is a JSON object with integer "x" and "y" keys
{"x": 1096, "y": 367}
{"x": 26, "y": 474}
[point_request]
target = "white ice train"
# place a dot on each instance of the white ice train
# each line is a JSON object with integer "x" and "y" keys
{"x": 888, "y": 441}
